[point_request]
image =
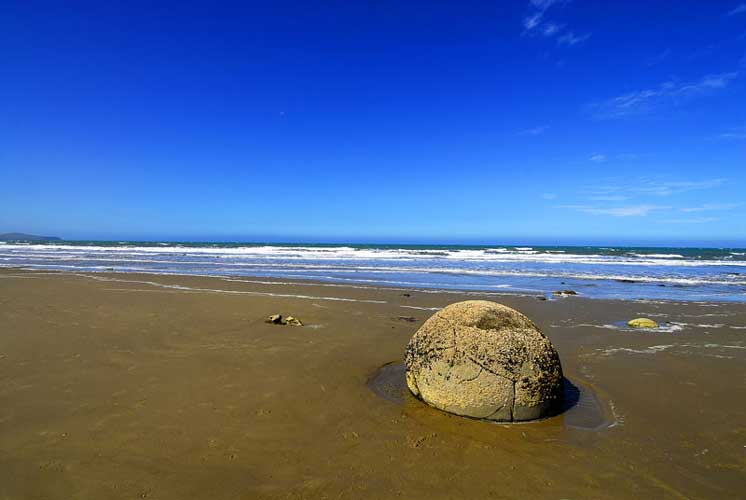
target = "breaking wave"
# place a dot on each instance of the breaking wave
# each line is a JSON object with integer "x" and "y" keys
{"x": 606, "y": 272}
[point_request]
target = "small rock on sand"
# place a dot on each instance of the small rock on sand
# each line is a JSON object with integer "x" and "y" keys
{"x": 642, "y": 323}
{"x": 293, "y": 321}
{"x": 275, "y": 319}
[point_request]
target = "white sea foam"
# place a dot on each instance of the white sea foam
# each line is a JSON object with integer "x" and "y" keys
{"x": 590, "y": 325}
{"x": 721, "y": 346}
{"x": 523, "y": 268}
{"x": 346, "y": 269}
{"x": 662, "y": 328}
{"x": 231, "y": 292}
{"x": 656, "y": 255}
{"x": 668, "y": 328}
{"x": 522, "y": 254}
{"x": 705, "y": 315}
{"x": 423, "y": 308}
{"x": 648, "y": 350}
{"x": 685, "y": 349}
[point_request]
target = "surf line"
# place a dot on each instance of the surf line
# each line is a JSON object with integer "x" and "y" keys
{"x": 232, "y": 292}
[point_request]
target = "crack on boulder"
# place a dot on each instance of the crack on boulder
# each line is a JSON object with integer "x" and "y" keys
{"x": 474, "y": 377}
{"x": 489, "y": 417}
{"x": 512, "y": 407}
{"x": 476, "y": 362}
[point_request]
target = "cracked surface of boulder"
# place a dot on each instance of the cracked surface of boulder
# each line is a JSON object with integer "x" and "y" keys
{"x": 484, "y": 360}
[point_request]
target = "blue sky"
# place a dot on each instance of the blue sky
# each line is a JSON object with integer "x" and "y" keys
{"x": 534, "y": 121}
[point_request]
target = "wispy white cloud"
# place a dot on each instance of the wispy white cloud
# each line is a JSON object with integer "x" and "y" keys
{"x": 610, "y": 197}
{"x": 544, "y": 4}
{"x": 740, "y": 9}
{"x": 598, "y": 158}
{"x": 550, "y": 29}
{"x": 538, "y": 8}
{"x": 536, "y": 23}
{"x": 668, "y": 188}
{"x": 692, "y": 220}
{"x": 571, "y": 38}
{"x": 624, "y": 211}
{"x": 736, "y": 133}
{"x": 534, "y": 131}
{"x": 607, "y": 199}
{"x": 549, "y": 196}
{"x": 648, "y": 187}
{"x": 676, "y": 187}
{"x": 532, "y": 21}
{"x": 668, "y": 93}
{"x": 712, "y": 207}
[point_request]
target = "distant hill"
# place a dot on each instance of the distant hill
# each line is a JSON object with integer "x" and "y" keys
{"x": 26, "y": 237}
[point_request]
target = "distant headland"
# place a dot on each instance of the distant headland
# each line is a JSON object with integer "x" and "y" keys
{"x": 26, "y": 237}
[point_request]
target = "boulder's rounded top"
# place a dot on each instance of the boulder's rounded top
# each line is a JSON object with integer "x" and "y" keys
{"x": 484, "y": 315}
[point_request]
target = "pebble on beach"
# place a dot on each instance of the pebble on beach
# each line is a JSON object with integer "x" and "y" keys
{"x": 642, "y": 323}
{"x": 293, "y": 321}
{"x": 277, "y": 319}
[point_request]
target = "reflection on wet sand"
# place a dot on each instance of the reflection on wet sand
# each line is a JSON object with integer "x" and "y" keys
{"x": 582, "y": 408}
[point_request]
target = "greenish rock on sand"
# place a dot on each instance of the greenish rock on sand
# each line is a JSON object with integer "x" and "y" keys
{"x": 642, "y": 323}
{"x": 484, "y": 360}
{"x": 293, "y": 321}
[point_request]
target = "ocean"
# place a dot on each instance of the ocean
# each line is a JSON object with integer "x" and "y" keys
{"x": 681, "y": 274}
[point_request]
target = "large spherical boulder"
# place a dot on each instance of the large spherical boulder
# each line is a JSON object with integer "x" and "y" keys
{"x": 484, "y": 360}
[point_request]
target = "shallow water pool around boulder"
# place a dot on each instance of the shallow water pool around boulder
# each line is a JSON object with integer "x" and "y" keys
{"x": 581, "y": 409}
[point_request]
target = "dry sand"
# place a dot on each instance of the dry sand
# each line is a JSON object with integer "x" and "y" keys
{"x": 173, "y": 387}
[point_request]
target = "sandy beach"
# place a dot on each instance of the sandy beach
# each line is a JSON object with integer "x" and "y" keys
{"x": 174, "y": 387}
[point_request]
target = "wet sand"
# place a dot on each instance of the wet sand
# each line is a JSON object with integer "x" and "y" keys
{"x": 173, "y": 387}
